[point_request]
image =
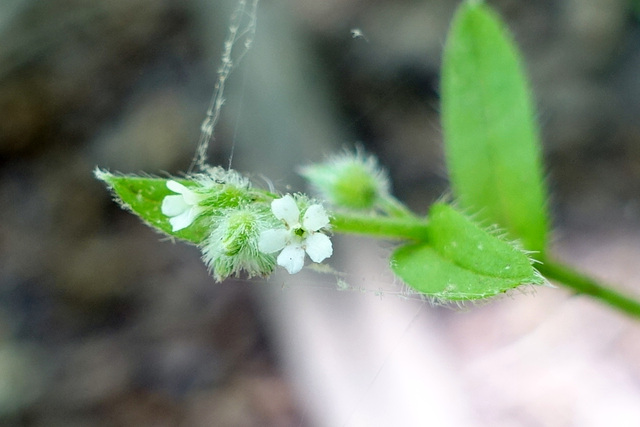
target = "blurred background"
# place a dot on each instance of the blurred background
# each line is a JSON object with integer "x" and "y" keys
{"x": 105, "y": 323}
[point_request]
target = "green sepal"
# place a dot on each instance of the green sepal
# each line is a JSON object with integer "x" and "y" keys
{"x": 490, "y": 132}
{"x": 143, "y": 196}
{"x": 462, "y": 261}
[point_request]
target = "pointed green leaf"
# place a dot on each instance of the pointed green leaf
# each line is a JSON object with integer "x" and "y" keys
{"x": 461, "y": 261}
{"x": 491, "y": 138}
{"x": 143, "y": 196}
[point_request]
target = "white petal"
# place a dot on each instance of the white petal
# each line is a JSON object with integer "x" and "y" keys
{"x": 176, "y": 187}
{"x": 190, "y": 197}
{"x": 319, "y": 247}
{"x": 183, "y": 220}
{"x": 292, "y": 258}
{"x": 272, "y": 240}
{"x": 315, "y": 218}
{"x": 173, "y": 205}
{"x": 287, "y": 210}
{"x": 194, "y": 212}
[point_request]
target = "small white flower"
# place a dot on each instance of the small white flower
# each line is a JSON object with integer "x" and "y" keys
{"x": 181, "y": 209}
{"x": 297, "y": 236}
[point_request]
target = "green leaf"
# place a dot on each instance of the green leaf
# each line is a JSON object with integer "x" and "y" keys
{"x": 461, "y": 261}
{"x": 491, "y": 137}
{"x": 143, "y": 196}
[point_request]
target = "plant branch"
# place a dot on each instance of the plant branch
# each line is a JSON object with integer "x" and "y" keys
{"x": 412, "y": 228}
{"x": 584, "y": 285}
{"x": 393, "y": 207}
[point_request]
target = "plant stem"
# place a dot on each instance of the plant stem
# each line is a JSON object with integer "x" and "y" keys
{"x": 587, "y": 286}
{"x": 412, "y": 228}
{"x": 415, "y": 228}
{"x": 393, "y": 207}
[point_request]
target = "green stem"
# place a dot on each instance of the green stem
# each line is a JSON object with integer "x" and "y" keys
{"x": 412, "y": 228}
{"x": 587, "y": 286}
{"x": 393, "y": 207}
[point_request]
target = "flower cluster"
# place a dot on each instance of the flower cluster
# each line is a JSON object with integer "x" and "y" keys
{"x": 247, "y": 226}
{"x": 207, "y": 195}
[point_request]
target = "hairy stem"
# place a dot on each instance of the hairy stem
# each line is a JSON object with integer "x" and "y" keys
{"x": 414, "y": 228}
{"x": 393, "y": 207}
{"x": 411, "y": 228}
{"x": 404, "y": 225}
{"x": 587, "y": 286}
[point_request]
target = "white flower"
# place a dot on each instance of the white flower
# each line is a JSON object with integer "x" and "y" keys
{"x": 297, "y": 237}
{"x": 181, "y": 209}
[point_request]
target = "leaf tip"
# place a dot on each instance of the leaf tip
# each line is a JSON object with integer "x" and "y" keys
{"x": 102, "y": 175}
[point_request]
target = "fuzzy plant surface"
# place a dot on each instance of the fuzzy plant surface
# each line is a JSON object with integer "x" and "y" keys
{"x": 491, "y": 239}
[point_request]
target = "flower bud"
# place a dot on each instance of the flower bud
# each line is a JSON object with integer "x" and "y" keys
{"x": 350, "y": 180}
{"x": 232, "y": 246}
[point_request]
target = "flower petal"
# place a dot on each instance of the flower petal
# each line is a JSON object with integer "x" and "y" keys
{"x": 319, "y": 247}
{"x": 176, "y": 187}
{"x": 190, "y": 197}
{"x": 183, "y": 220}
{"x": 287, "y": 210}
{"x": 272, "y": 240}
{"x": 292, "y": 258}
{"x": 173, "y": 205}
{"x": 315, "y": 218}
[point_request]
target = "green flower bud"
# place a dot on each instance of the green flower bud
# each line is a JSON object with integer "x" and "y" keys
{"x": 350, "y": 180}
{"x": 232, "y": 246}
